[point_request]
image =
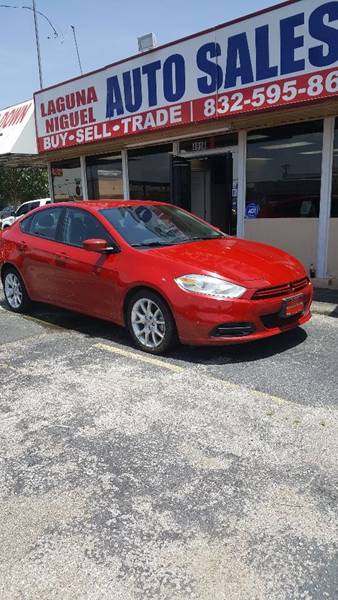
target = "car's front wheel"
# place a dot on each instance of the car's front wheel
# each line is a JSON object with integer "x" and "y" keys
{"x": 15, "y": 292}
{"x": 151, "y": 323}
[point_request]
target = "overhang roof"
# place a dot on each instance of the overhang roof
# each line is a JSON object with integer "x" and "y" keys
{"x": 17, "y": 136}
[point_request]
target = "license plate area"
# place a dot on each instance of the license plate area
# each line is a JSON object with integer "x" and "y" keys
{"x": 292, "y": 307}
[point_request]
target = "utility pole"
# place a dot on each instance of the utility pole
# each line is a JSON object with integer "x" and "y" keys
{"x": 77, "y": 49}
{"x": 37, "y": 40}
{"x": 37, "y": 43}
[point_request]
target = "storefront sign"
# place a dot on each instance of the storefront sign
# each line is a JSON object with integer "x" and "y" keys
{"x": 17, "y": 129}
{"x": 199, "y": 145}
{"x": 252, "y": 210}
{"x": 285, "y": 55}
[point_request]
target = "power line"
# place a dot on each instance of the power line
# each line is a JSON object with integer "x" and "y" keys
{"x": 55, "y": 31}
{"x": 36, "y": 28}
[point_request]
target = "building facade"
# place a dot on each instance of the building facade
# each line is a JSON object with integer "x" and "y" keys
{"x": 238, "y": 124}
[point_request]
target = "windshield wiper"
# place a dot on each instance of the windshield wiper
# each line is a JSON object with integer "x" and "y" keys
{"x": 158, "y": 244}
{"x": 206, "y": 237}
{"x": 151, "y": 244}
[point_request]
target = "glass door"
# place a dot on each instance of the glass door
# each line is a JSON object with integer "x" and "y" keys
{"x": 204, "y": 186}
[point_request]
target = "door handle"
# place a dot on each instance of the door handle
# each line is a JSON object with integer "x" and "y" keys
{"x": 61, "y": 259}
{"x": 22, "y": 246}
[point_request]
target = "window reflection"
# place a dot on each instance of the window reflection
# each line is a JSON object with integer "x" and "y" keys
{"x": 157, "y": 225}
{"x": 66, "y": 177}
{"x": 284, "y": 171}
{"x": 104, "y": 177}
{"x": 149, "y": 173}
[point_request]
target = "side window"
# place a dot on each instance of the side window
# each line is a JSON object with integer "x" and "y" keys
{"x": 45, "y": 223}
{"x": 25, "y": 224}
{"x": 26, "y": 208}
{"x": 33, "y": 205}
{"x": 22, "y": 210}
{"x": 79, "y": 225}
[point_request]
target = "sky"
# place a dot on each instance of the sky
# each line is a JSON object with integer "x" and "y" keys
{"x": 107, "y": 31}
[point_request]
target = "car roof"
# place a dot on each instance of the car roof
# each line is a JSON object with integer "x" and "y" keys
{"x": 100, "y": 204}
{"x": 35, "y": 200}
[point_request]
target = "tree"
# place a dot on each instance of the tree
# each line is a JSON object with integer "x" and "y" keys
{"x": 19, "y": 185}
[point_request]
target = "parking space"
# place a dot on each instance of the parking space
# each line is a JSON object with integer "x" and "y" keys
{"x": 299, "y": 366}
{"x": 210, "y": 473}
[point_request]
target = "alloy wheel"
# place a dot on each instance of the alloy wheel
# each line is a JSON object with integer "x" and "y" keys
{"x": 148, "y": 323}
{"x": 13, "y": 290}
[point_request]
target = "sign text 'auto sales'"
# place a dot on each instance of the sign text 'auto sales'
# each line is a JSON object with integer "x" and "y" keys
{"x": 288, "y": 55}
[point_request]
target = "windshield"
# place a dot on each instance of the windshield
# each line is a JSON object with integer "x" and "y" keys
{"x": 144, "y": 226}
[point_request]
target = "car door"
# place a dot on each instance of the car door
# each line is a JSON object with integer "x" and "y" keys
{"x": 89, "y": 279}
{"x": 38, "y": 250}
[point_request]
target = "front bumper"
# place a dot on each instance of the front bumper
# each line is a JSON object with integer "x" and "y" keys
{"x": 199, "y": 318}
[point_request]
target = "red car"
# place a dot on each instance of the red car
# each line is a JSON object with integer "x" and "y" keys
{"x": 154, "y": 268}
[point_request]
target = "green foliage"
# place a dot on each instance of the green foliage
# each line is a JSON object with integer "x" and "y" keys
{"x": 20, "y": 185}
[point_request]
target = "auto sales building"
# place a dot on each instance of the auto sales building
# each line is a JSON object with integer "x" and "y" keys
{"x": 237, "y": 124}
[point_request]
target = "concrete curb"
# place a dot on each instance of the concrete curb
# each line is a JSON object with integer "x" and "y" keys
{"x": 325, "y": 308}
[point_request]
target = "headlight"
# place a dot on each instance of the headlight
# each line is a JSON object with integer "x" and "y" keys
{"x": 210, "y": 286}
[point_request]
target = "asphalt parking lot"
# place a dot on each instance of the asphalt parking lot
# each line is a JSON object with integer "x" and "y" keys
{"x": 208, "y": 474}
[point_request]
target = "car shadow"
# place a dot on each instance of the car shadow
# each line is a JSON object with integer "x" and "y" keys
{"x": 240, "y": 353}
{"x": 56, "y": 318}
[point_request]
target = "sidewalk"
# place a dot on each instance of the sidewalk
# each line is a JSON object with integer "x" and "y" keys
{"x": 325, "y": 302}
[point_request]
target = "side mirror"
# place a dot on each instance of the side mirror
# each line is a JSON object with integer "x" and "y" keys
{"x": 98, "y": 245}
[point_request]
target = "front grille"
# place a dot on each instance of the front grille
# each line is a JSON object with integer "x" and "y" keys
{"x": 233, "y": 330}
{"x": 275, "y": 320}
{"x": 281, "y": 290}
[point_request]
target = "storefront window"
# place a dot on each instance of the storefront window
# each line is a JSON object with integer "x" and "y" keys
{"x": 149, "y": 173}
{"x": 334, "y": 207}
{"x": 284, "y": 171}
{"x": 66, "y": 176}
{"x": 104, "y": 177}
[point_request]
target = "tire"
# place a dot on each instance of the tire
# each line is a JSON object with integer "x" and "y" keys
{"x": 15, "y": 291}
{"x": 150, "y": 323}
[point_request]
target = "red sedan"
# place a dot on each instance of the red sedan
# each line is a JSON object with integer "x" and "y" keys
{"x": 156, "y": 269}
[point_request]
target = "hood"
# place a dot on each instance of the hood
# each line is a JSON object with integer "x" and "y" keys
{"x": 7, "y": 220}
{"x": 241, "y": 261}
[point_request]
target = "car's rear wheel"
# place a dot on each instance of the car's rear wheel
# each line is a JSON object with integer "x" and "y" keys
{"x": 151, "y": 323}
{"x": 15, "y": 291}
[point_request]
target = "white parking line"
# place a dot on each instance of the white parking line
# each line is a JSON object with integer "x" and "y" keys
{"x": 134, "y": 355}
{"x": 178, "y": 369}
{"x": 257, "y": 393}
{"x": 45, "y": 324}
